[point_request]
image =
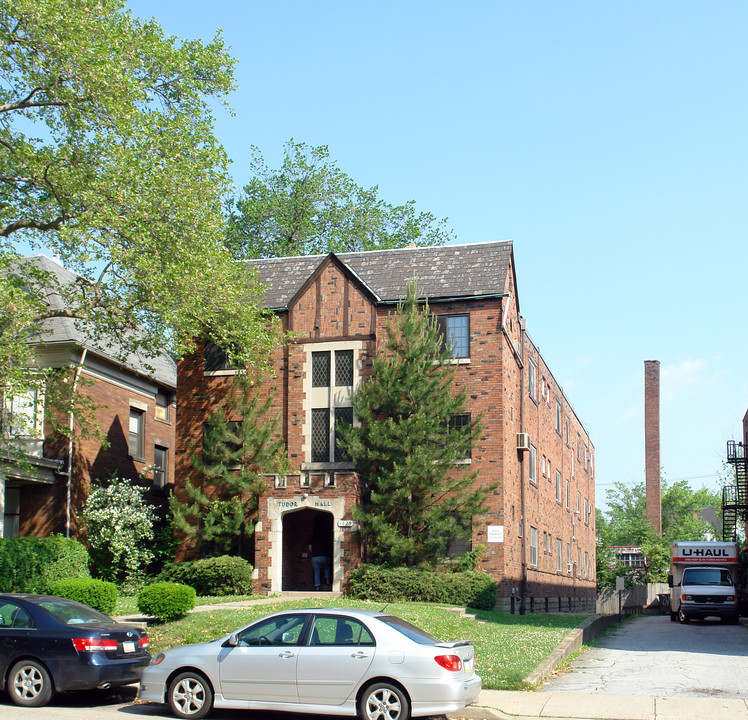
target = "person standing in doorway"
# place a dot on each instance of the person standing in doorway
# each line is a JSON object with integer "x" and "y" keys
{"x": 320, "y": 551}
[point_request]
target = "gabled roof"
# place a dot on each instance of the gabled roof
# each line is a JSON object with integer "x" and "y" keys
{"x": 64, "y": 331}
{"x": 444, "y": 272}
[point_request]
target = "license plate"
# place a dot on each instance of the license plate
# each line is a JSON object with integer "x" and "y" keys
{"x": 128, "y": 646}
{"x": 468, "y": 666}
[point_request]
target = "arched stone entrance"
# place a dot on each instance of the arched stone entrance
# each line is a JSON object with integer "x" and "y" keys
{"x": 293, "y": 522}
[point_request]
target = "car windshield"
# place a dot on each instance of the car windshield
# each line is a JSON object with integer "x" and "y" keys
{"x": 707, "y": 576}
{"x": 410, "y": 631}
{"x": 69, "y": 612}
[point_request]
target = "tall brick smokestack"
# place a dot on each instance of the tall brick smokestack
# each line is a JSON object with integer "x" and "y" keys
{"x": 652, "y": 443}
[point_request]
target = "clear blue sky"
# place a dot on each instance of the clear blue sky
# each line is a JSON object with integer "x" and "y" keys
{"x": 606, "y": 139}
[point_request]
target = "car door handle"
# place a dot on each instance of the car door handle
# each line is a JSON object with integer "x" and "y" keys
{"x": 360, "y": 655}
{"x": 287, "y": 654}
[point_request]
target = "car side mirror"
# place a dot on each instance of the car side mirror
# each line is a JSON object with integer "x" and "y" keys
{"x": 232, "y": 640}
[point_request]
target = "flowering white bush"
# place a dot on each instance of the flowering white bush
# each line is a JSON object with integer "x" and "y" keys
{"x": 119, "y": 525}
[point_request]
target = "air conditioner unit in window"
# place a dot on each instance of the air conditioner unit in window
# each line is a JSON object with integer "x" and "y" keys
{"x": 523, "y": 441}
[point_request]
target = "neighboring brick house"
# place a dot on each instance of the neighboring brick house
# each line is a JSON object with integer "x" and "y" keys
{"x": 539, "y": 531}
{"x": 136, "y": 414}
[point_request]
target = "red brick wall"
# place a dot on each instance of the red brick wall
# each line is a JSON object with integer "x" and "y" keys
{"x": 332, "y": 308}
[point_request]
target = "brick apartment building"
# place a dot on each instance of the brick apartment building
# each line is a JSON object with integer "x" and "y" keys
{"x": 539, "y": 531}
{"x": 136, "y": 413}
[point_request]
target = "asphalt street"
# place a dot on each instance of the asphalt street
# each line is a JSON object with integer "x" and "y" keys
{"x": 650, "y": 655}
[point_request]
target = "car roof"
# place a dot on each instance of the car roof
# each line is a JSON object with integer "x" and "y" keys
{"x": 353, "y": 612}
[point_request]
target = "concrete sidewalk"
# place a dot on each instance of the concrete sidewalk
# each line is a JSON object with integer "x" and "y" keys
{"x": 507, "y": 705}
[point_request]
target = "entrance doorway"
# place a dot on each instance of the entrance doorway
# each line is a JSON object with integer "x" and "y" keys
{"x": 299, "y": 527}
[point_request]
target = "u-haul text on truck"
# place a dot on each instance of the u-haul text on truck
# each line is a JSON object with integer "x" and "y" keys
{"x": 702, "y": 581}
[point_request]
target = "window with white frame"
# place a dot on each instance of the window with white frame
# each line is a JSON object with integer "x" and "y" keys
{"x": 558, "y": 417}
{"x": 568, "y": 491}
{"x": 533, "y": 464}
{"x": 455, "y": 332}
{"x": 160, "y": 466}
{"x": 533, "y": 546}
{"x": 568, "y": 558}
{"x": 586, "y": 513}
{"x": 331, "y": 378}
{"x": 559, "y": 554}
{"x": 136, "y": 434}
{"x": 559, "y": 498}
{"x": 532, "y": 382}
{"x": 23, "y": 415}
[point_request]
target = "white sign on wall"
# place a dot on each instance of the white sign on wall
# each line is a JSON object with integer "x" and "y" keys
{"x": 495, "y": 533}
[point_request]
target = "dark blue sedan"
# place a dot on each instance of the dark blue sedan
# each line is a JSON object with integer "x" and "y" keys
{"x": 51, "y": 644}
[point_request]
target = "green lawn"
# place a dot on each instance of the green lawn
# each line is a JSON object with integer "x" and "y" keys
{"x": 507, "y": 646}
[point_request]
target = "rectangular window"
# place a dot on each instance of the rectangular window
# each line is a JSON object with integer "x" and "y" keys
{"x": 216, "y": 358}
{"x": 586, "y": 513}
{"x": 455, "y": 331}
{"x": 559, "y": 551}
{"x": 321, "y": 435}
{"x": 320, "y": 369}
{"x": 559, "y": 498}
{"x": 461, "y": 423}
{"x": 532, "y": 371}
{"x": 533, "y": 546}
{"x": 533, "y": 464}
{"x": 160, "y": 466}
{"x": 579, "y": 502}
{"x": 162, "y": 405}
{"x": 343, "y": 418}
{"x": 566, "y": 425}
{"x": 22, "y": 415}
{"x": 568, "y": 558}
{"x": 136, "y": 437}
{"x": 586, "y": 565}
{"x": 12, "y": 519}
{"x": 344, "y": 368}
{"x": 558, "y": 417}
{"x": 568, "y": 498}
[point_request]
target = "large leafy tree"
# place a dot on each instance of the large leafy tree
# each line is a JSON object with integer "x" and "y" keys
{"x": 625, "y": 523}
{"x": 309, "y": 206}
{"x": 408, "y": 447}
{"x": 219, "y": 509}
{"x": 108, "y": 161}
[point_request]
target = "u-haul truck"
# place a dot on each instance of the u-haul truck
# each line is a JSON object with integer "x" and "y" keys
{"x": 702, "y": 581}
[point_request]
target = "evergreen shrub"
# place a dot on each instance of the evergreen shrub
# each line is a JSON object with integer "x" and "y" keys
{"x": 30, "y": 564}
{"x": 381, "y": 584}
{"x": 98, "y": 594}
{"x": 222, "y": 575}
{"x": 166, "y": 601}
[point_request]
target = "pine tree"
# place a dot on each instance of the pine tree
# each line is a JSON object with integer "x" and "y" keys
{"x": 220, "y": 511}
{"x": 409, "y": 447}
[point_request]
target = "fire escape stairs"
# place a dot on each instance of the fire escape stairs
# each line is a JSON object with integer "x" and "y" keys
{"x": 735, "y": 497}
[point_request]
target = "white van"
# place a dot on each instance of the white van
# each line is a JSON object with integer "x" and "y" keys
{"x": 702, "y": 581}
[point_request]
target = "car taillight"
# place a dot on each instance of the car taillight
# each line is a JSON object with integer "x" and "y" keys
{"x": 94, "y": 644}
{"x": 144, "y": 642}
{"x": 449, "y": 662}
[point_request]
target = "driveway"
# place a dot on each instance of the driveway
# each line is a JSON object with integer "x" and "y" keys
{"x": 650, "y": 655}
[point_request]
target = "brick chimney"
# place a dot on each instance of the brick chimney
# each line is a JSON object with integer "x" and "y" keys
{"x": 652, "y": 443}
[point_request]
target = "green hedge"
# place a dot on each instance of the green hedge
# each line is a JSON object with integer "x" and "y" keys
{"x": 98, "y": 594}
{"x": 166, "y": 601}
{"x": 465, "y": 589}
{"x": 223, "y": 575}
{"x": 30, "y": 564}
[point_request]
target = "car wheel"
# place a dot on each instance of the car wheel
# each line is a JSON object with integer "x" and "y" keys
{"x": 190, "y": 696}
{"x": 29, "y": 684}
{"x": 383, "y": 701}
{"x": 682, "y": 617}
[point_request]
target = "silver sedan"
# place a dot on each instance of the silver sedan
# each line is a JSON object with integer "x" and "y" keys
{"x": 330, "y": 661}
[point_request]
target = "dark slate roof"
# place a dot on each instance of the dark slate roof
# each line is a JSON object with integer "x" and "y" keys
{"x": 63, "y": 331}
{"x": 448, "y": 271}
